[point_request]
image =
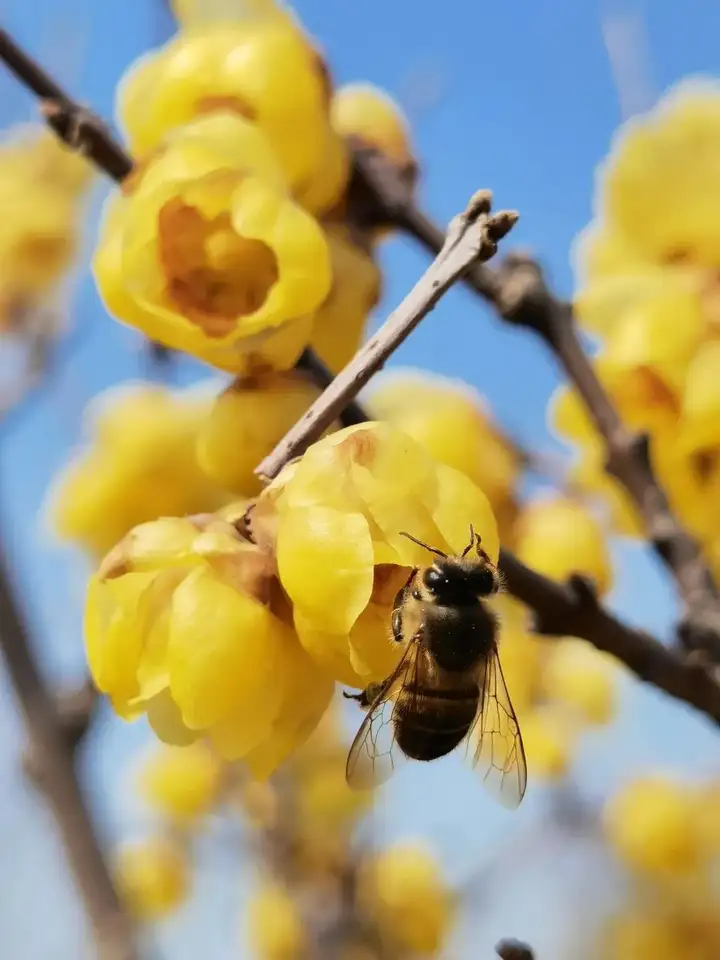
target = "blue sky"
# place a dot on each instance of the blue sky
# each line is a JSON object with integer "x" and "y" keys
{"x": 515, "y": 96}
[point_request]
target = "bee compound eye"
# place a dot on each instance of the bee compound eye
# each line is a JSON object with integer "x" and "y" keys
{"x": 432, "y": 578}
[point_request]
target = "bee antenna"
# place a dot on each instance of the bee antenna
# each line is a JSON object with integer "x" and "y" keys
{"x": 421, "y": 544}
{"x": 469, "y": 547}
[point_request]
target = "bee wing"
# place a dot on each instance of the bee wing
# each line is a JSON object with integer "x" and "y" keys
{"x": 495, "y": 738}
{"x": 374, "y": 755}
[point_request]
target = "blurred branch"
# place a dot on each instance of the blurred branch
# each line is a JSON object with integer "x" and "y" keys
{"x": 472, "y": 236}
{"x": 518, "y": 292}
{"x": 573, "y": 610}
{"x": 513, "y": 950}
{"x": 53, "y": 765}
{"x": 77, "y": 127}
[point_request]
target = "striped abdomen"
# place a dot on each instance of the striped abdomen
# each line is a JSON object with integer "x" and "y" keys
{"x": 435, "y": 712}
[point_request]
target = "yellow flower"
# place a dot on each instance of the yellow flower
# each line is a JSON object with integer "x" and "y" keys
{"x": 365, "y": 111}
{"x": 451, "y": 421}
{"x": 569, "y": 420}
{"x": 520, "y": 655}
{"x": 699, "y": 428}
{"x": 245, "y": 424}
{"x": 588, "y": 472}
{"x": 178, "y": 625}
{"x": 336, "y": 519}
{"x": 634, "y": 935}
{"x": 581, "y": 678}
{"x": 139, "y": 464}
{"x": 262, "y": 68}
{"x": 707, "y": 815}
{"x": 549, "y": 739}
{"x": 153, "y": 877}
{"x": 607, "y": 303}
{"x": 42, "y": 184}
{"x": 559, "y": 537}
{"x": 324, "y": 800}
{"x": 645, "y": 358}
{"x": 660, "y": 182}
{"x": 277, "y": 929}
{"x": 208, "y": 254}
{"x": 651, "y": 824}
{"x": 402, "y": 888}
{"x": 601, "y": 253}
{"x": 340, "y": 321}
{"x": 690, "y": 477}
{"x": 181, "y": 783}
{"x": 190, "y": 13}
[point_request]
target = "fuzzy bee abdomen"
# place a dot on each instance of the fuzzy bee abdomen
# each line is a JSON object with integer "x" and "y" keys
{"x": 431, "y": 721}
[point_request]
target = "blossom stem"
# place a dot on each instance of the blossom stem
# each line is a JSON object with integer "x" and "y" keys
{"x": 472, "y": 237}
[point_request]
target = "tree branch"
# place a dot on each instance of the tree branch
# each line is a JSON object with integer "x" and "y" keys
{"x": 518, "y": 292}
{"x": 53, "y": 767}
{"x": 473, "y": 235}
{"x": 572, "y": 610}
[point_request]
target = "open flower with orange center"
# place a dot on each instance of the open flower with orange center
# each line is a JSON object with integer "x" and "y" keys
{"x": 263, "y": 68}
{"x": 183, "y": 623}
{"x": 207, "y": 253}
{"x": 335, "y": 519}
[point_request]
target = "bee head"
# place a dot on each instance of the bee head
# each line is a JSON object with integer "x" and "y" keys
{"x": 460, "y": 579}
{"x": 457, "y": 580}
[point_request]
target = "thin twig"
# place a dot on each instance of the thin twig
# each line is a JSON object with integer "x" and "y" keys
{"x": 472, "y": 236}
{"x": 518, "y": 292}
{"x": 313, "y": 366}
{"x": 75, "y": 125}
{"x": 54, "y": 772}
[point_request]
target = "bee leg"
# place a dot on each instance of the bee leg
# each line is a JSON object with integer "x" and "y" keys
{"x": 360, "y": 698}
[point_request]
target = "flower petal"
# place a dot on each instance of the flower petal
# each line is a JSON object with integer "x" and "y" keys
{"x": 325, "y": 562}
{"x": 222, "y": 654}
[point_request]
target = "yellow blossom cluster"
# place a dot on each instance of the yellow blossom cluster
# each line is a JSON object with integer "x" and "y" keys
{"x": 666, "y": 833}
{"x": 139, "y": 463}
{"x": 228, "y": 240}
{"x": 647, "y": 270}
{"x": 42, "y": 185}
{"x": 235, "y": 627}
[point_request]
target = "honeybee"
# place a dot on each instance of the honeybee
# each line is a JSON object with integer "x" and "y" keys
{"x": 449, "y": 685}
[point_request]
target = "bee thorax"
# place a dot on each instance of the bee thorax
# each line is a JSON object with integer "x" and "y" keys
{"x": 459, "y": 637}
